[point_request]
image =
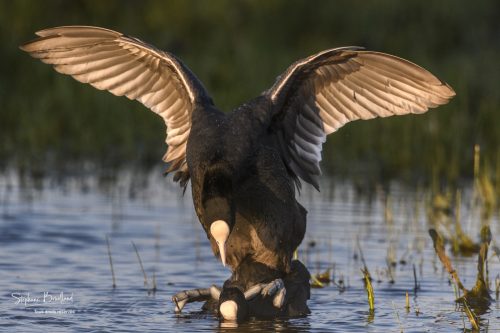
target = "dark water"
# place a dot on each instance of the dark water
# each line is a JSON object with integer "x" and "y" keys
{"x": 52, "y": 241}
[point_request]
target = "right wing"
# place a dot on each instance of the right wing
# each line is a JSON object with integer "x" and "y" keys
{"x": 123, "y": 65}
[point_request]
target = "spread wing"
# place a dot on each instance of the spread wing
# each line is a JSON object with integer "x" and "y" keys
{"x": 126, "y": 66}
{"x": 319, "y": 94}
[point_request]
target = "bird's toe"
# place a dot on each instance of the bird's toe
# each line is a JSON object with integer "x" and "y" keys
{"x": 279, "y": 298}
{"x": 273, "y": 287}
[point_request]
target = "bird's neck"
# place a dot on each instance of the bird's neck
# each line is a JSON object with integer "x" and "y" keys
{"x": 217, "y": 193}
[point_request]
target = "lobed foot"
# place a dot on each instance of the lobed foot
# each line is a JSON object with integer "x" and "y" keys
{"x": 274, "y": 288}
{"x": 195, "y": 295}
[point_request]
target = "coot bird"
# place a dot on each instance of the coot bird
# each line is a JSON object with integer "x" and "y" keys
{"x": 244, "y": 165}
{"x": 232, "y": 304}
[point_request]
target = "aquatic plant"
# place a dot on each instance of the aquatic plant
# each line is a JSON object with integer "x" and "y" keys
{"x": 407, "y": 303}
{"x": 461, "y": 242}
{"x": 315, "y": 283}
{"x": 325, "y": 276}
{"x": 475, "y": 301}
{"x": 367, "y": 280}
{"x": 111, "y": 262}
{"x": 146, "y": 284}
{"x": 369, "y": 289}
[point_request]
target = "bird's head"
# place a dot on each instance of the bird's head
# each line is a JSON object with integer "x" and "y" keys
{"x": 220, "y": 215}
{"x": 218, "y": 205}
{"x": 233, "y": 306}
{"x": 220, "y": 231}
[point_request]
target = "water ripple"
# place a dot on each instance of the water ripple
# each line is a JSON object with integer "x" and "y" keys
{"x": 55, "y": 243}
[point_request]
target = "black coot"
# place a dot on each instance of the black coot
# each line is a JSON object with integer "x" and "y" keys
{"x": 244, "y": 165}
{"x": 235, "y": 305}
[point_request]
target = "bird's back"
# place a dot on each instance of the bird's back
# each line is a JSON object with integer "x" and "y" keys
{"x": 270, "y": 223}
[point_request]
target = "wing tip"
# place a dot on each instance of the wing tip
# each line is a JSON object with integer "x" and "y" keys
{"x": 450, "y": 90}
{"x": 24, "y": 47}
{"x": 30, "y": 46}
{"x": 68, "y": 29}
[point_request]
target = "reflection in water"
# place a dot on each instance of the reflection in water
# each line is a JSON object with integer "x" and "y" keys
{"x": 53, "y": 239}
{"x": 228, "y": 325}
{"x": 370, "y": 317}
{"x": 275, "y": 325}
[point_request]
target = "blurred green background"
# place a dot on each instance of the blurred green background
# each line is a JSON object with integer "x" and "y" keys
{"x": 51, "y": 122}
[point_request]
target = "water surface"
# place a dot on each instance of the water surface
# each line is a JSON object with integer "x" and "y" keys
{"x": 53, "y": 241}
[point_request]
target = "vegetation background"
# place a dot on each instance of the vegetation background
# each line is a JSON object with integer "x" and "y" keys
{"x": 51, "y": 123}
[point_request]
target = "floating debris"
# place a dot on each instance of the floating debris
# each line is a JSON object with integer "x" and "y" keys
{"x": 315, "y": 283}
{"x": 324, "y": 277}
{"x": 340, "y": 284}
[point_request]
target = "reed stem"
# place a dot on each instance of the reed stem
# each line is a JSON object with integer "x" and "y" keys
{"x": 146, "y": 284}
{"x": 111, "y": 262}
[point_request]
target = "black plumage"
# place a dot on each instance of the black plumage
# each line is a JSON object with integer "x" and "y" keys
{"x": 245, "y": 165}
{"x": 238, "y": 176}
{"x": 297, "y": 287}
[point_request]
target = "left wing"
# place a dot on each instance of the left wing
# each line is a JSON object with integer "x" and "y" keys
{"x": 126, "y": 66}
{"x": 319, "y": 94}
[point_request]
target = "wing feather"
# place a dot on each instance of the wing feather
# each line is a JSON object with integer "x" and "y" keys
{"x": 319, "y": 94}
{"x": 124, "y": 65}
